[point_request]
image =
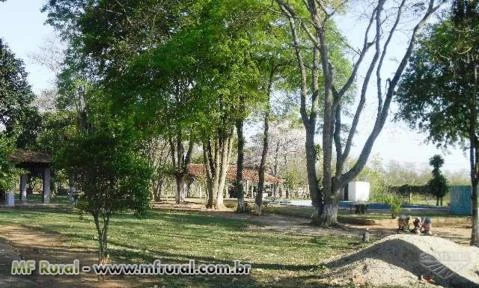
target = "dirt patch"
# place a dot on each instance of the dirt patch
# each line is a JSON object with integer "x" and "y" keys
{"x": 27, "y": 243}
{"x": 454, "y": 229}
{"x": 7, "y": 254}
{"x": 408, "y": 260}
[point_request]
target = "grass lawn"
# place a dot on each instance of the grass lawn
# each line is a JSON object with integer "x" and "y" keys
{"x": 277, "y": 259}
{"x": 38, "y": 198}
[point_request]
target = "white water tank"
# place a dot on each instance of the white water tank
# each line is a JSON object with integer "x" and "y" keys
{"x": 358, "y": 191}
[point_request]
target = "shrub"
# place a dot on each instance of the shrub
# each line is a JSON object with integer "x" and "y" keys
{"x": 394, "y": 202}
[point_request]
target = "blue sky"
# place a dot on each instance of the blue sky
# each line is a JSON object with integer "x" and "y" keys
{"x": 22, "y": 28}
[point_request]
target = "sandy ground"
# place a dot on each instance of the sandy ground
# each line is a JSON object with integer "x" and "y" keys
{"x": 409, "y": 261}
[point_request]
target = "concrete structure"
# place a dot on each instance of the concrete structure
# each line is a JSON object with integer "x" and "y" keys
{"x": 461, "y": 202}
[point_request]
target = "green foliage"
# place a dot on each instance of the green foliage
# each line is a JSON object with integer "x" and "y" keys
{"x": 375, "y": 174}
{"x": 108, "y": 171}
{"x": 436, "y": 162}
{"x": 438, "y": 184}
{"x": 394, "y": 202}
{"x": 56, "y": 128}
{"x": 102, "y": 156}
{"x": 437, "y": 92}
{"x": 15, "y": 92}
{"x": 294, "y": 179}
{"x": 8, "y": 173}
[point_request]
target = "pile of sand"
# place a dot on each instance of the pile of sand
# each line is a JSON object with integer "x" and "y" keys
{"x": 409, "y": 260}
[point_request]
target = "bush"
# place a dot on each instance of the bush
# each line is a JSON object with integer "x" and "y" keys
{"x": 8, "y": 173}
{"x": 395, "y": 203}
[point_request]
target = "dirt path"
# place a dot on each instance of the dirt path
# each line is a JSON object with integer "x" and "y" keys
{"x": 7, "y": 254}
{"x": 21, "y": 242}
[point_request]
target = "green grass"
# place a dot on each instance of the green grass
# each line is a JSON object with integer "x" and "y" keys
{"x": 38, "y": 198}
{"x": 277, "y": 259}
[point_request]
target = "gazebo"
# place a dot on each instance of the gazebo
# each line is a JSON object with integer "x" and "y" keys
{"x": 34, "y": 163}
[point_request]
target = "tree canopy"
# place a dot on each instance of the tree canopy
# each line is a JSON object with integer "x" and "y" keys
{"x": 16, "y": 114}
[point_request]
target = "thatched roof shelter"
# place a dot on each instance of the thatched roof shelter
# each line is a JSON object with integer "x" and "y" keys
{"x": 24, "y": 157}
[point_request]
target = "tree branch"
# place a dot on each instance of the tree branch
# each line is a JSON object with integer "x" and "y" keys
{"x": 380, "y": 120}
{"x": 289, "y": 12}
{"x": 357, "y": 115}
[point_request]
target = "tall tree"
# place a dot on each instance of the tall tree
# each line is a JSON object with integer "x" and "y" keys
{"x": 438, "y": 93}
{"x": 438, "y": 184}
{"x": 17, "y": 118}
{"x": 111, "y": 176}
{"x": 276, "y": 66}
{"x": 139, "y": 30}
{"x": 237, "y": 50}
{"x": 325, "y": 82}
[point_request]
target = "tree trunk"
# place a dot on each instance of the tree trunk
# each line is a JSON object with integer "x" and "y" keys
{"x": 158, "y": 189}
{"x": 474, "y": 154}
{"x": 188, "y": 189}
{"x": 102, "y": 231}
{"x": 180, "y": 185}
{"x": 262, "y": 166}
{"x": 475, "y": 216}
{"x": 474, "y": 162}
{"x": 329, "y": 215}
{"x": 210, "y": 172}
{"x": 216, "y": 160}
{"x": 241, "y": 207}
{"x": 437, "y": 201}
{"x": 209, "y": 194}
{"x": 224, "y": 165}
{"x": 314, "y": 192}
{"x": 275, "y": 167}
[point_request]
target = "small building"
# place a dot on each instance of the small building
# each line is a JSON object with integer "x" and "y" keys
{"x": 35, "y": 164}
